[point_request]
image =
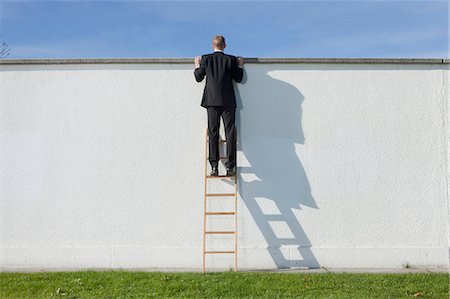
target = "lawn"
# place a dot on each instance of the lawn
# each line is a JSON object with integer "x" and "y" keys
{"x": 124, "y": 284}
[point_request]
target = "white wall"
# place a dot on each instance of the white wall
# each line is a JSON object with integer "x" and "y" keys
{"x": 341, "y": 165}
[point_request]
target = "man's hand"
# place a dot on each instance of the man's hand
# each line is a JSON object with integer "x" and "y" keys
{"x": 240, "y": 60}
{"x": 197, "y": 61}
{"x": 199, "y": 71}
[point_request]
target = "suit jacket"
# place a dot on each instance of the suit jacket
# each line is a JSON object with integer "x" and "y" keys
{"x": 220, "y": 69}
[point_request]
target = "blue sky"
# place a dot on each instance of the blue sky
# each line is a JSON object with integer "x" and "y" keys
{"x": 84, "y": 29}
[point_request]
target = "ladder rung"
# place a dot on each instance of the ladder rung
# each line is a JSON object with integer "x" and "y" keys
{"x": 222, "y": 251}
{"x": 221, "y": 158}
{"x": 220, "y": 194}
{"x": 219, "y": 176}
{"x": 220, "y": 232}
{"x": 220, "y": 213}
{"x": 220, "y": 140}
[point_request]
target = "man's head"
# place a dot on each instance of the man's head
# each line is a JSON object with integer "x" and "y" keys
{"x": 218, "y": 42}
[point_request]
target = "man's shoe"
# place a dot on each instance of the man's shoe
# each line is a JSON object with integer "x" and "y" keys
{"x": 215, "y": 171}
{"x": 230, "y": 172}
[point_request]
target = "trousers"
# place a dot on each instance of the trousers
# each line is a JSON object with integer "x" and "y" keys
{"x": 228, "y": 116}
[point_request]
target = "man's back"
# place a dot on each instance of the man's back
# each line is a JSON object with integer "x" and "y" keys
{"x": 220, "y": 69}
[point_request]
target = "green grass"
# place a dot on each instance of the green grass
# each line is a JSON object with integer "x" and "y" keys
{"x": 123, "y": 284}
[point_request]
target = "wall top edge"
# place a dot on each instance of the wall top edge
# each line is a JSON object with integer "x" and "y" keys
{"x": 247, "y": 60}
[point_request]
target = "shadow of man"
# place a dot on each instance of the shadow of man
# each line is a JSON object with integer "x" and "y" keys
{"x": 272, "y": 179}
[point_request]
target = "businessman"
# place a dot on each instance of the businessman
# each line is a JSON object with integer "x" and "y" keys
{"x": 219, "y": 99}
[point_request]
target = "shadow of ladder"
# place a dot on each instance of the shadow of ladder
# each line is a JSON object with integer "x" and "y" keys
{"x": 218, "y": 213}
{"x": 275, "y": 243}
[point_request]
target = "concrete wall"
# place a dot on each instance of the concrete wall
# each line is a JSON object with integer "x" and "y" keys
{"x": 341, "y": 164}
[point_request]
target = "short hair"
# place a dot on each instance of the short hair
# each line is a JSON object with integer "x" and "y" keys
{"x": 218, "y": 41}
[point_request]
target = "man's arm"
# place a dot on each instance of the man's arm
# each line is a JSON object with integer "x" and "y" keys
{"x": 237, "y": 69}
{"x": 199, "y": 71}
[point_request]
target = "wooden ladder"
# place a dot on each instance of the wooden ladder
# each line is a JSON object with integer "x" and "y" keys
{"x": 219, "y": 213}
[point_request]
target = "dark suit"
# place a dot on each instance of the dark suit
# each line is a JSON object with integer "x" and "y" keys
{"x": 219, "y": 100}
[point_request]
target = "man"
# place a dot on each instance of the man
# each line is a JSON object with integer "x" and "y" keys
{"x": 219, "y": 99}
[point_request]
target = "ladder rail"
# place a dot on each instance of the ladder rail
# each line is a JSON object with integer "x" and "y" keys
{"x": 235, "y": 220}
{"x": 204, "y": 204}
